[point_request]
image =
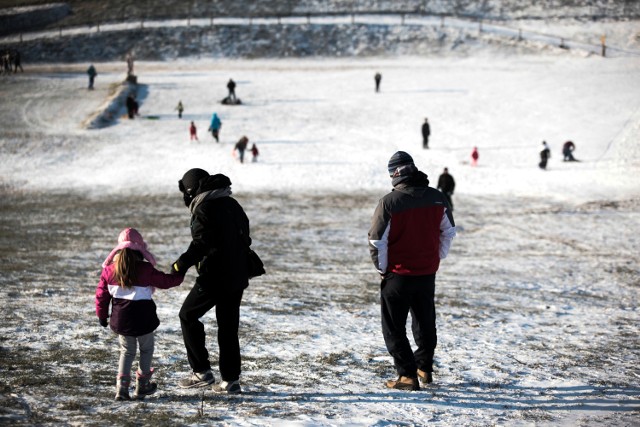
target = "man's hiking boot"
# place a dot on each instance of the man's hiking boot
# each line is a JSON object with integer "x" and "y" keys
{"x": 404, "y": 383}
{"x": 122, "y": 387}
{"x": 144, "y": 386}
{"x": 228, "y": 387}
{"x": 196, "y": 379}
{"x": 425, "y": 377}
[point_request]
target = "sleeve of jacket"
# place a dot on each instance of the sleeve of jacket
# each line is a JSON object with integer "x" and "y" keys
{"x": 103, "y": 297}
{"x": 379, "y": 237}
{"x": 163, "y": 280}
{"x": 447, "y": 232}
{"x": 202, "y": 235}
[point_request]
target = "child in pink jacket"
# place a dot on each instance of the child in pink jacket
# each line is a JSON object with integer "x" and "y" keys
{"x": 127, "y": 282}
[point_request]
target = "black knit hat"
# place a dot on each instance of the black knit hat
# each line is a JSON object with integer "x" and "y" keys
{"x": 400, "y": 158}
{"x": 190, "y": 182}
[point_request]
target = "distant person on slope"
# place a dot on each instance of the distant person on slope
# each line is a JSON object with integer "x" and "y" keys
{"x": 426, "y": 131}
{"x": 545, "y": 154}
{"x": 220, "y": 241}
{"x": 567, "y": 151}
{"x": 231, "y": 86}
{"x": 91, "y": 71}
{"x": 447, "y": 184}
{"x": 180, "y": 109}
{"x": 378, "y": 78}
{"x": 475, "y": 156}
{"x": 241, "y": 146}
{"x": 193, "y": 132}
{"x": 131, "y": 105}
{"x": 127, "y": 282}
{"x": 254, "y": 153}
{"x": 215, "y": 126}
{"x": 411, "y": 231}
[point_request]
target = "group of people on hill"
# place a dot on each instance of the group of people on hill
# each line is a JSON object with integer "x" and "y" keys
{"x": 10, "y": 61}
{"x": 567, "y": 153}
{"x": 411, "y": 231}
{"x": 214, "y": 127}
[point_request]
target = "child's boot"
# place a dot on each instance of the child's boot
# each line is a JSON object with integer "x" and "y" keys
{"x": 144, "y": 386}
{"x": 122, "y": 387}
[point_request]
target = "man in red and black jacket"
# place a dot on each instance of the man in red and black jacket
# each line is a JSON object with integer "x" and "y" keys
{"x": 411, "y": 231}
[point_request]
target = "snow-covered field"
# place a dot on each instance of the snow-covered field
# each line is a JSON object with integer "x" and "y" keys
{"x": 538, "y": 301}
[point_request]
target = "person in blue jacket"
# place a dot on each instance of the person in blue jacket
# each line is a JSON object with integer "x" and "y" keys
{"x": 215, "y": 126}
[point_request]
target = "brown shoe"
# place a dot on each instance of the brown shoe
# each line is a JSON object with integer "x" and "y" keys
{"x": 404, "y": 383}
{"x": 425, "y": 377}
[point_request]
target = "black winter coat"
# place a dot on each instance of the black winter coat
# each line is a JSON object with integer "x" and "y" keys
{"x": 220, "y": 233}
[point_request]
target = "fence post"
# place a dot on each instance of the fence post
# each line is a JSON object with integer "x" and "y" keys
{"x": 60, "y": 32}
{"x": 98, "y": 27}
{"x": 211, "y": 21}
{"x": 603, "y": 40}
{"x": 308, "y": 18}
{"x": 402, "y": 19}
{"x": 519, "y": 34}
{"x": 442, "y": 21}
{"x": 353, "y": 18}
{"x": 480, "y": 26}
{"x": 20, "y": 37}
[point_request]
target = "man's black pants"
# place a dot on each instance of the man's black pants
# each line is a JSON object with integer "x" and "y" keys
{"x": 399, "y": 296}
{"x": 200, "y": 300}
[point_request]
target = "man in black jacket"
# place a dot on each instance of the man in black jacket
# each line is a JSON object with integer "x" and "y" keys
{"x": 220, "y": 232}
{"x": 447, "y": 184}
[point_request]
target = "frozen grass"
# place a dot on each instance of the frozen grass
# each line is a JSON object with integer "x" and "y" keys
{"x": 537, "y": 321}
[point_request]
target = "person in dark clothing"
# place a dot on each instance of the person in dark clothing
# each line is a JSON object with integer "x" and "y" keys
{"x": 132, "y": 106}
{"x": 220, "y": 232}
{"x": 231, "y": 85}
{"x": 426, "y": 131}
{"x": 377, "y": 78}
{"x": 411, "y": 231}
{"x": 241, "y": 146}
{"x": 91, "y": 71}
{"x": 17, "y": 61}
{"x": 567, "y": 151}
{"x": 545, "y": 154}
{"x": 447, "y": 184}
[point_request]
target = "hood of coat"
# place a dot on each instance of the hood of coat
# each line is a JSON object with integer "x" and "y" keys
{"x": 416, "y": 185}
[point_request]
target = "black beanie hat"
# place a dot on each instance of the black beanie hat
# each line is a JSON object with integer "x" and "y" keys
{"x": 190, "y": 182}
{"x": 400, "y": 158}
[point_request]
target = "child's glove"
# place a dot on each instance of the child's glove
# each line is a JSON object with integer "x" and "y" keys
{"x": 103, "y": 322}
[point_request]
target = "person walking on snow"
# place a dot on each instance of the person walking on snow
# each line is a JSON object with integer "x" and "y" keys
{"x": 545, "y": 154}
{"x": 254, "y": 153}
{"x": 411, "y": 231}
{"x": 91, "y": 71}
{"x": 127, "y": 282}
{"x": 221, "y": 240}
{"x": 193, "y": 131}
{"x": 377, "y": 78}
{"x": 447, "y": 184}
{"x": 474, "y": 156}
{"x": 241, "y": 146}
{"x": 180, "y": 109}
{"x": 426, "y": 131}
{"x": 215, "y": 126}
{"x": 567, "y": 151}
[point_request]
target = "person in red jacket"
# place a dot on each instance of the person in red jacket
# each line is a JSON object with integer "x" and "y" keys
{"x": 127, "y": 283}
{"x": 193, "y": 131}
{"x": 411, "y": 231}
